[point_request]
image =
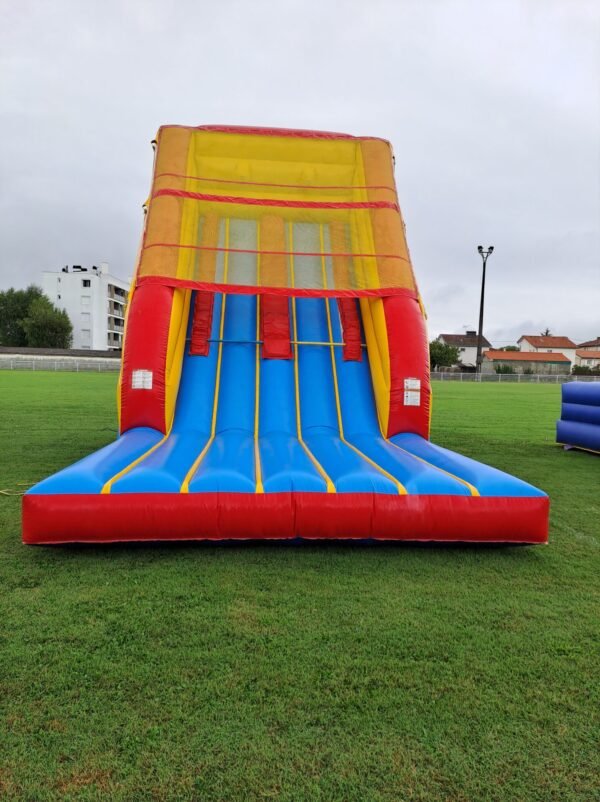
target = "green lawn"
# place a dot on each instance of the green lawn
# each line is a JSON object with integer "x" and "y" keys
{"x": 313, "y": 672}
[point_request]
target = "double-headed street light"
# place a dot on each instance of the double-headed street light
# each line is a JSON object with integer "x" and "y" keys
{"x": 484, "y": 256}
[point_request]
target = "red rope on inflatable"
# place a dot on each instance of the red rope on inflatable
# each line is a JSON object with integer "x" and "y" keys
{"x": 266, "y": 184}
{"x": 274, "y": 253}
{"x": 290, "y": 204}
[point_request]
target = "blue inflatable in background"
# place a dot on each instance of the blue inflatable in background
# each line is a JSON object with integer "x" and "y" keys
{"x": 579, "y": 424}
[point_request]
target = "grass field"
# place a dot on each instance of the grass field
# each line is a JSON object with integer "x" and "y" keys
{"x": 313, "y": 672}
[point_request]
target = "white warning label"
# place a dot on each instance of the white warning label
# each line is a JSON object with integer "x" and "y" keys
{"x": 412, "y": 392}
{"x": 412, "y": 398}
{"x": 141, "y": 380}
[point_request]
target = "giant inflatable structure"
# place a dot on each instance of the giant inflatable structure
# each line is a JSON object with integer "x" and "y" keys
{"x": 275, "y": 377}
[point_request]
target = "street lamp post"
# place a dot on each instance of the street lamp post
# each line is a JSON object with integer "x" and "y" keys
{"x": 484, "y": 256}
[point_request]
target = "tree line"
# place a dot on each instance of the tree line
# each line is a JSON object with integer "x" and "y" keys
{"x": 29, "y": 319}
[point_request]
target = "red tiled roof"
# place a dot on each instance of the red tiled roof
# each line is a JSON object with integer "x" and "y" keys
{"x": 588, "y": 354}
{"x": 539, "y": 341}
{"x": 590, "y": 343}
{"x": 524, "y": 356}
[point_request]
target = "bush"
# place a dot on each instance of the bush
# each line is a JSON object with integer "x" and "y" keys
{"x": 46, "y": 326}
{"x": 528, "y": 371}
{"x": 14, "y": 308}
{"x": 28, "y": 318}
{"x": 441, "y": 355}
{"x": 504, "y": 369}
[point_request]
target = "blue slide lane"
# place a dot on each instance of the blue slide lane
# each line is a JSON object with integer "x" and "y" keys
{"x": 165, "y": 469}
{"x": 90, "y": 474}
{"x": 488, "y": 481}
{"x": 348, "y": 470}
{"x": 285, "y": 464}
{"x": 362, "y": 429}
{"x": 229, "y": 462}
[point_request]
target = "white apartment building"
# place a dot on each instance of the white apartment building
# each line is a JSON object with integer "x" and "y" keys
{"x": 95, "y": 302}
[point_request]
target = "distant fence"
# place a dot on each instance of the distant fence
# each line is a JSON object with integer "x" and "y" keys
{"x": 513, "y": 378}
{"x": 107, "y": 365}
{"x": 69, "y": 363}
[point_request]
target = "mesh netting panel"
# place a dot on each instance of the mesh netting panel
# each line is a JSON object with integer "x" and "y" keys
{"x": 300, "y": 214}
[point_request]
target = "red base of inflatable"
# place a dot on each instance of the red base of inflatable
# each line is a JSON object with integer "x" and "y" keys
{"x": 54, "y": 519}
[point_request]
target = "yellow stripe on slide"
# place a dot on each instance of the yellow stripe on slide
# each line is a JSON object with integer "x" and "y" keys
{"x": 185, "y": 487}
{"x": 398, "y": 485}
{"x": 108, "y": 485}
{"x": 472, "y": 489}
{"x": 328, "y": 483}
{"x": 257, "y": 468}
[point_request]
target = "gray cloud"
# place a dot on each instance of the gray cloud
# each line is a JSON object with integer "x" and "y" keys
{"x": 493, "y": 109}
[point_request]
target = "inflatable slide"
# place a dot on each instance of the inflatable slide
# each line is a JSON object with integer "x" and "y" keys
{"x": 275, "y": 377}
{"x": 579, "y": 424}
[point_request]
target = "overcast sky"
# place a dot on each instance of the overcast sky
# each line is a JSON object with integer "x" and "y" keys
{"x": 493, "y": 109}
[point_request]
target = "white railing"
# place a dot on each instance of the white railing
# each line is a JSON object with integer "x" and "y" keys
{"x": 70, "y": 363}
{"x": 104, "y": 365}
{"x": 513, "y": 378}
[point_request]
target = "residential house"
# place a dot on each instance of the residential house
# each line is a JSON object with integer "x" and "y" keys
{"x": 544, "y": 363}
{"x": 590, "y": 345}
{"x": 587, "y": 358}
{"x": 541, "y": 344}
{"x": 467, "y": 346}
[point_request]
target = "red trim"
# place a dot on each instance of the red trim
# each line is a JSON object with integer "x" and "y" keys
{"x": 202, "y": 323}
{"x": 296, "y": 292}
{"x": 349, "y": 316}
{"x": 255, "y": 130}
{"x": 288, "y": 204}
{"x": 215, "y": 516}
{"x": 275, "y": 327}
{"x": 276, "y": 253}
{"x": 266, "y": 184}
{"x": 409, "y": 359}
{"x": 151, "y": 303}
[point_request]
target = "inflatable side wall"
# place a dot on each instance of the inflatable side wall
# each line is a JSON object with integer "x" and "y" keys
{"x": 152, "y": 358}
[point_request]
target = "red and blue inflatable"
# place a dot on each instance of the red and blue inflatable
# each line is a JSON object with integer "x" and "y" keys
{"x": 275, "y": 377}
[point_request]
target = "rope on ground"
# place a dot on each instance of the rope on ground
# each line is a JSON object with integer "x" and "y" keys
{"x": 14, "y": 491}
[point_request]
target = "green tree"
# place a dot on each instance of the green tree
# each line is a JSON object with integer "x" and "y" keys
{"x": 14, "y": 307}
{"x": 442, "y": 355}
{"x": 511, "y": 348}
{"x": 46, "y": 326}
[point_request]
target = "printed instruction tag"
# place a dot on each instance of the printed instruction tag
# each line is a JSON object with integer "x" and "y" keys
{"x": 412, "y": 392}
{"x": 141, "y": 380}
